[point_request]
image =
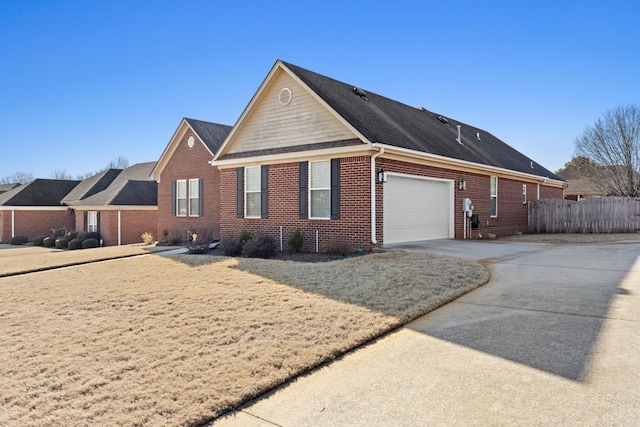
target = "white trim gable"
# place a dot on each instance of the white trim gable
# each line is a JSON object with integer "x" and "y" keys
{"x": 171, "y": 147}
{"x": 258, "y": 127}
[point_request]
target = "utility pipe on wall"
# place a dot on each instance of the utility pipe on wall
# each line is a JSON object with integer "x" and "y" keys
{"x": 374, "y": 177}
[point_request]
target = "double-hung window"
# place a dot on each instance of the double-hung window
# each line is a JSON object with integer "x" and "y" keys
{"x": 194, "y": 197}
{"x": 181, "y": 197}
{"x": 494, "y": 196}
{"x": 92, "y": 221}
{"x": 252, "y": 192}
{"x": 320, "y": 189}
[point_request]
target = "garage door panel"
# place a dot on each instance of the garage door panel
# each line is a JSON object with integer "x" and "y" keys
{"x": 416, "y": 209}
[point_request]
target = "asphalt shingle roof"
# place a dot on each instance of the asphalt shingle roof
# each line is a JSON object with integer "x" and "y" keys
{"x": 383, "y": 120}
{"x": 212, "y": 134}
{"x": 90, "y": 186}
{"x": 39, "y": 192}
{"x": 131, "y": 187}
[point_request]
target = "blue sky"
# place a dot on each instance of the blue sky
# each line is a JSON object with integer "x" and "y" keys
{"x": 85, "y": 82}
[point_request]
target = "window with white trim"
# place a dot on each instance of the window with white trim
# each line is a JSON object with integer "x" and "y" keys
{"x": 320, "y": 189}
{"x": 194, "y": 197}
{"x": 494, "y": 196}
{"x": 524, "y": 194}
{"x": 181, "y": 197}
{"x": 92, "y": 221}
{"x": 252, "y": 192}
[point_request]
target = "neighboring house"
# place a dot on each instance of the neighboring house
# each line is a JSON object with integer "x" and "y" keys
{"x": 6, "y": 187}
{"x": 33, "y": 209}
{"x": 120, "y": 204}
{"x": 353, "y": 168}
{"x": 188, "y": 187}
{"x": 578, "y": 186}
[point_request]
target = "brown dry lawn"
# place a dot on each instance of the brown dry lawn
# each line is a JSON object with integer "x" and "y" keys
{"x": 178, "y": 340}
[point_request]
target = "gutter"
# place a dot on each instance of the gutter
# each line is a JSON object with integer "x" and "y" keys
{"x": 373, "y": 194}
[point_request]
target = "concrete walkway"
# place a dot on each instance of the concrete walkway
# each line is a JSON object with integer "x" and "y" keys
{"x": 552, "y": 339}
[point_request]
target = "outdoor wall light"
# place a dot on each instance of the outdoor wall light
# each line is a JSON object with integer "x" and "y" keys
{"x": 382, "y": 175}
{"x": 462, "y": 184}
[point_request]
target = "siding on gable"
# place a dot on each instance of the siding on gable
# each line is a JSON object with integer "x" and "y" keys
{"x": 272, "y": 125}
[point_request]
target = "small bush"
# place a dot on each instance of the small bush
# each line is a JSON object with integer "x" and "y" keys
{"x": 245, "y": 236}
{"x": 198, "y": 246}
{"x": 58, "y": 232}
{"x": 90, "y": 243}
{"x": 38, "y": 241}
{"x": 147, "y": 238}
{"x": 260, "y": 247}
{"x": 71, "y": 234}
{"x": 75, "y": 244}
{"x": 295, "y": 240}
{"x": 338, "y": 248}
{"x": 62, "y": 243}
{"x": 173, "y": 239}
{"x": 49, "y": 242}
{"x": 232, "y": 247}
{"x": 19, "y": 240}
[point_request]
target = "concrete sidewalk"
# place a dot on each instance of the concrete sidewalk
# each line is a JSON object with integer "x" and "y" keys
{"x": 552, "y": 339}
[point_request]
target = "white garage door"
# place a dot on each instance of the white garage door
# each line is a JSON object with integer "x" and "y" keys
{"x": 417, "y": 209}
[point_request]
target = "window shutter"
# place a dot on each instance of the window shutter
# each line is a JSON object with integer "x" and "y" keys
{"x": 302, "y": 197}
{"x": 173, "y": 198}
{"x": 264, "y": 191}
{"x": 98, "y": 221}
{"x": 239, "y": 192}
{"x": 335, "y": 188}
{"x": 86, "y": 221}
{"x": 201, "y": 197}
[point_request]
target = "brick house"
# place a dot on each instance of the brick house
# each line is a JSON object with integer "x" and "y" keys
{"x": 120, "y": 204}
{"x": 354, "y": 168}
{"x": 188, "y": 187}
{"x": 34, "y": 208}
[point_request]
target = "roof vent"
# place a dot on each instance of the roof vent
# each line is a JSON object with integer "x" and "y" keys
{"x": 362, "y": 94}
{"x": 478, "y": 136}
{"x": 459, "y": 139}
{"x": 531, "y": 164}
{"x": 443, "y": 120}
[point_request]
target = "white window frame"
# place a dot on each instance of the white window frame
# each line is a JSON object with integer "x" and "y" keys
{"x": 92, "y": 221}
{"x": 193, "y": 202}
{"x": 252, "y": 191}
{"x": 494, "y": 196}
{"x": 181, "y": 196}
{"x": 313, "y": 189}
{"x": 524, "y": 194}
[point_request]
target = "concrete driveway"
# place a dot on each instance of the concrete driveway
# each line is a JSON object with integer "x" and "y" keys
{"x": 552, "y": 339}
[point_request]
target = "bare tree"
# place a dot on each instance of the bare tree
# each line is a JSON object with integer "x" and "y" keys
{"x": 613, "y": 146}
{"x": 61, "y": 174}
{"x": 119, "y": 163}
{"x": 17, "y": 177}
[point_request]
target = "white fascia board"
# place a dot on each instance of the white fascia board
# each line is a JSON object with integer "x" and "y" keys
{"x": 34, "y": 208}
{"x": 350, "y": 150}
{"x": 115, "y": 208}
{"x": 449, "y": 163}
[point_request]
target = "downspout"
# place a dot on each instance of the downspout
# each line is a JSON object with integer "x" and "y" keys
{"x": 119, "y": 230}
{"x": 13, "y": 223}
{"x": 374, "y": 177}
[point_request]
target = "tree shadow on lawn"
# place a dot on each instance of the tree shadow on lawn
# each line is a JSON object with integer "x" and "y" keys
{"x": 541, "y": 314}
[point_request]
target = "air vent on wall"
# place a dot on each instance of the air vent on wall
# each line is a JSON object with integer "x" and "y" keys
{"x": 285, "y": 96}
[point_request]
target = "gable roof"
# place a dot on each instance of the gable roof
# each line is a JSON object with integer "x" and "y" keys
{"x": 7, "y": 187}
{"x": 39, "y": 192}
{"x": 385, "y": 122}
{"x": 211, "y": 134}
{"x": 90, "y": 186}
{"x": 131, "y": 187}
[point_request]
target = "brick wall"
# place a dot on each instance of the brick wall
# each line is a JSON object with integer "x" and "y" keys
{"x": 133, "y": 223}
{"x": 33, "y": 223}
{"x": 189, "y": 163}
{"x": 353, "y": 228}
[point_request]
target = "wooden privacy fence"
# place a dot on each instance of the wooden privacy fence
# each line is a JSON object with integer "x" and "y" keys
{"x": 598, "y": 215}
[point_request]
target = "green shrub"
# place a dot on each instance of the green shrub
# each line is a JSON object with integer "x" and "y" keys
{"x": 38, "y": 241}
{"x": 245, "y": 236}
{"x": 231, "y": 247}
{"x": 338, "y": 248}
{"x": 90, "y": 243}
{"x": 260, "y": 247}
{"x": 62, "y": 243}
{"x": 49, "y": 242}
{"x": 19, "y": 240}
{"x": 173, "y": 239}
{"x": 147, "y": 238}
{"x": 75, "y": 244}
{"x": 295, "y": 240}
{"x": 198, "y": 246}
